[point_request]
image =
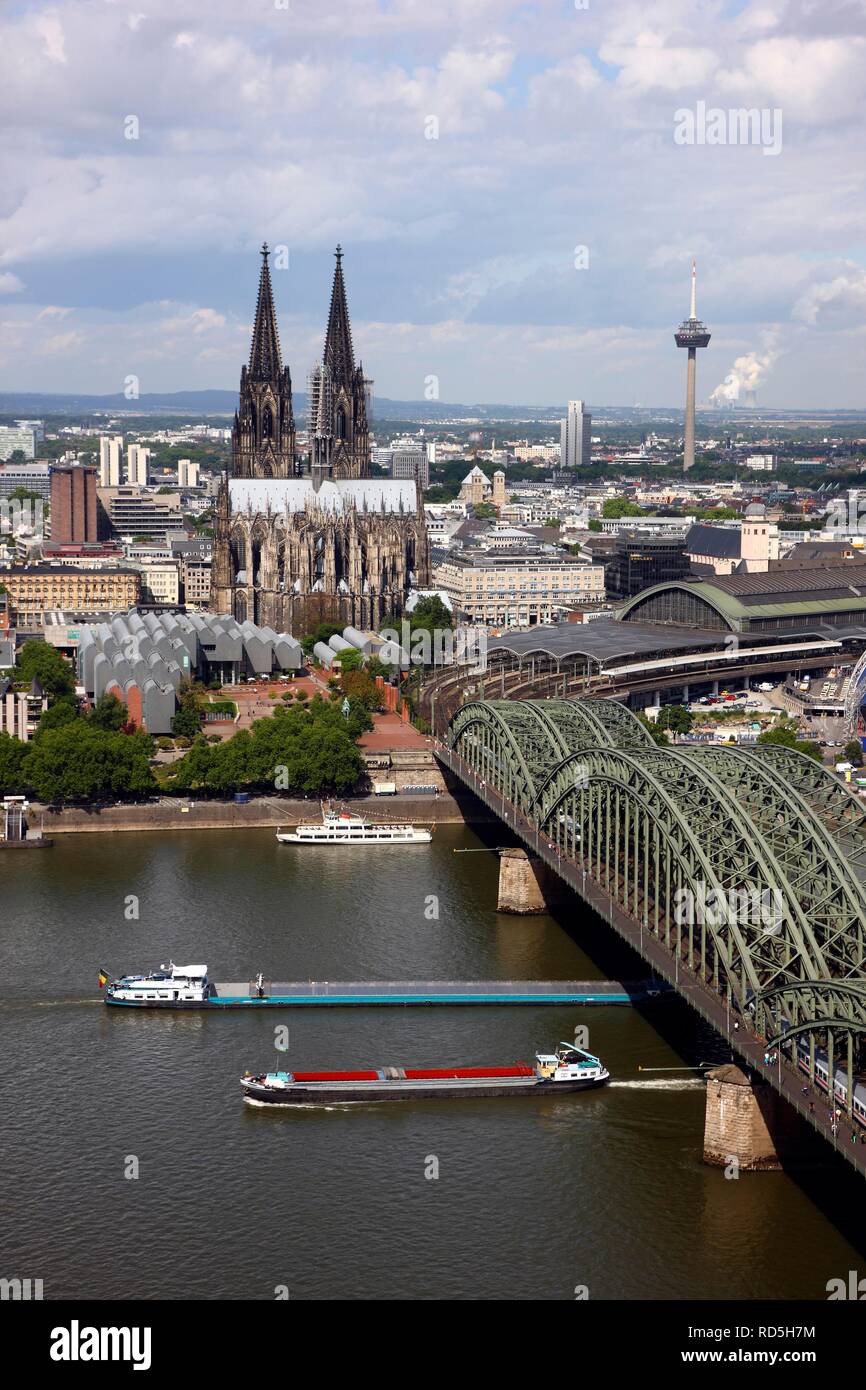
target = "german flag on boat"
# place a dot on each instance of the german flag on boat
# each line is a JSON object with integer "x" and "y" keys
{"x": 103, "y": 978}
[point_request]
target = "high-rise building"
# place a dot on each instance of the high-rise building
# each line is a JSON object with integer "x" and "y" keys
{"x": 691, "y": 334}
{"x": 137, "y": 465}
{"x": 411, "y": 463}
{"x": 14, "y": 439}
{"x": 640, "y": 559}
{"x": 33, "y": 477}
{"x": 187, "y": 473}
{"x": 73, "y": 504}
{"x": 575, "y": 437}
{"x": 110, "y": 456}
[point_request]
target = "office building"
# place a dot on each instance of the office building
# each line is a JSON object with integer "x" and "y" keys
{"x": 640, "y": 559}
{"x": 36, "y": 589}
{"x": 110, "y": 457}
{"x": 133, "y": 511}
{"x": 187, "y": 473}
{"x": 517, "y": 589}
{"x": 160, "y": 581}
{"x": 32, "y": 477}
{"x": 575, "y": 437}
{"x": 14, "y": 440}
{"x": 137, "y": 465}
{"x": 411, "y": 463}
{"x": 73, "y": 504}
{"x": 195, "y": 576}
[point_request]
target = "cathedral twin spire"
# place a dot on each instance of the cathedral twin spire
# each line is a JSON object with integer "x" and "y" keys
{"x": 266, "y": 363}
{"x": 339, "y": 356}
{"x": 263, "y": 437}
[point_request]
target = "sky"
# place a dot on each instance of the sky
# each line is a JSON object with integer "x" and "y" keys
{"x": 519, "y": 189}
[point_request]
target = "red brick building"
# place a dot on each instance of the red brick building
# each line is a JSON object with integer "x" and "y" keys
{"x": 73, "y": 504}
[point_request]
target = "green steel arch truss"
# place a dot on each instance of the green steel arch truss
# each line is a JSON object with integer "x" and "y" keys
{"x": 750, "y": 866}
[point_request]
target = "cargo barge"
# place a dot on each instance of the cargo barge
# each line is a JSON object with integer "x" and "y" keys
{"x": 188, "y": 987}
{"x": 567, "y": 1069}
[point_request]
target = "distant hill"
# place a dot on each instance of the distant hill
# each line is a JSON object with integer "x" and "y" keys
{"x": 35, "y": 404}
{"x": 38, "y": 403}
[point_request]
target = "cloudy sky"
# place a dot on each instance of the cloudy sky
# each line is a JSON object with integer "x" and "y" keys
{"x": 463, "y": 152}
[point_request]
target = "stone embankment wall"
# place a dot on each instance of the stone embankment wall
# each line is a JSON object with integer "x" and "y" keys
{"x": 169, "y": 813}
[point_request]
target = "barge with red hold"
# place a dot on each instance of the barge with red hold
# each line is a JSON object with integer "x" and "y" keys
{"x": 569, "y": 1068}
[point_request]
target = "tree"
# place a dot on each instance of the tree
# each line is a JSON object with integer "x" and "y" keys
{"x": 360, "y": 689}
{"x": 676, "y": 718}
{"x": 785, "y": 735}
{"x": 12, "y": 754}
{"x": 376, "y": 667}
{"x": 80, "y": 762}
{"x": 108, "y": 713}
{"x": 854, "y": 752}
{"x": 38, "y": 661}
{"x": 307, "y": 748}
{"x": 351, "y": 660}
{"x": 616, "y": 507}
{"x": 431, "y": 613}
{"x": 62, "y": 712}
{"x": 186, "y": 722}
{"x": 656, "y": 734}
{"x": 321, "y": 634}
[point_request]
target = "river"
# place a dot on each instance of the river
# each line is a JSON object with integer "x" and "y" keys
{"x": 131, "y": 1168}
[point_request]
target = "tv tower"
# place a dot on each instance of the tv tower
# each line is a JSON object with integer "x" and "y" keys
{"x": 691, "y": 334}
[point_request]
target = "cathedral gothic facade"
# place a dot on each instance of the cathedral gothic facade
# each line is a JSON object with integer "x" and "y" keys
{"x": 305, "y": 536}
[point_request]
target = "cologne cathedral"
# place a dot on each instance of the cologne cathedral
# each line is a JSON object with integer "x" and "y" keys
{"x": 304, "y": 535}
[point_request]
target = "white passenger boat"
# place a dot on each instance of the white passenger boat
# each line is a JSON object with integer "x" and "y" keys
{"x": 346, "y": 828}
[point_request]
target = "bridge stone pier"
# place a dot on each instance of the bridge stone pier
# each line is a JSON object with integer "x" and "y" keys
{"x": 526, "y": 884}
{"x": 746, "y": 1121}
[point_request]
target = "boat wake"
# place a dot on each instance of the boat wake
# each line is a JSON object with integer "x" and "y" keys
{"x": 686, "y": 1084}
{"x": 47, "y": 1003}
{"x": 300, "y": 1105}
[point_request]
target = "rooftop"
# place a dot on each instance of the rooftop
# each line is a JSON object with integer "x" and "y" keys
{"x": 605, "y": 639}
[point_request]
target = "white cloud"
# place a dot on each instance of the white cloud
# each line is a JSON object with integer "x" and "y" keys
{"x": 840, "y": 301}
{"x": 814, "y": 80}
{"x": 50, "y": 30}
{"x": 647, "y": 62}
{"x": 555, "y": 130}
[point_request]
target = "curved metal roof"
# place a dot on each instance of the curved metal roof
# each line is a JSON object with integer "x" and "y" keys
{"x": 602, "y": 640}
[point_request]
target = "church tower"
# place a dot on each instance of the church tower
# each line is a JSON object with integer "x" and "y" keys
{"x": 339, "y": 433}
{"x": 263, "y": 433}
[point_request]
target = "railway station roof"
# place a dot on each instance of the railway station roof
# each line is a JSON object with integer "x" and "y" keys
{"x": 798, "y": 600}
{"x": 604, "y": 639}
